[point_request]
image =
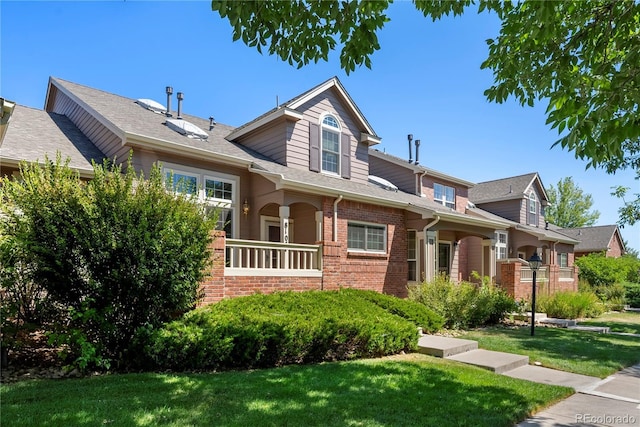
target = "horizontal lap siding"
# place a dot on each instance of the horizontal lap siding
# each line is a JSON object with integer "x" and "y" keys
{"x": 509, "y": 209}
{"x": 401, "y": 177}
{"x": 109, "y": 143}
{"x": 298, "y": 147}
{"x": 270, "y": 142}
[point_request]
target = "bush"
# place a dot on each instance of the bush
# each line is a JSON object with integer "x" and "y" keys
{"x": 116, "y": 253}
{"x": 464, "y": 305}
{"x": 632, "y": 294}
{"x": 599, "y": 270}
{"x": 571, "y": 305}
{"x": 277, "y": 329}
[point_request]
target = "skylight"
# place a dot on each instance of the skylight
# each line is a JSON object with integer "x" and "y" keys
{"x": 152, "y": 105}
{"x": 187, "y": 129}
{"x": 381, "y": 182}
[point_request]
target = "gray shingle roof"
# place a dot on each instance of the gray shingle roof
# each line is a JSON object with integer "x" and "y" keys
{"x": 33, "y": 133}
{"x": 501, "y": 189}
{"x": 592, "y": 239}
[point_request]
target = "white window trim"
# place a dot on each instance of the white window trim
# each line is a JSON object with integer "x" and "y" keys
{"x": 201, "y": 175}
{"x": 532, "y": 209}
{"x": 417, "y": 254}
{"x": 339, "y": 132}
{"x": 444, "y": 200}
{"x": 367, "y": 251}
{"x": 504, "y": 245}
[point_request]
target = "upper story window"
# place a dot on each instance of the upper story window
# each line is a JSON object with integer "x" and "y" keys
{"x": 533, "y": 209}
{"x": 444, "y": 195}
{"x": 330, "y": 145}
{"x": 214, "y": 190}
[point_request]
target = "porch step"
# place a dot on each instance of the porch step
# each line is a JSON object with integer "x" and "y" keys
{"x": 561, "y": 323}
{"x": 444, "y": 347}
{"x": 598, "y": 329}
{"x": 495, "y": 361}
{"x": 527, "y": 316}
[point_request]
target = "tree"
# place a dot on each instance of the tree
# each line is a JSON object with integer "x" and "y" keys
{"x": 116, "y": 253}
{"x": 581, "y": 58}
{"x": 569, "y": 207}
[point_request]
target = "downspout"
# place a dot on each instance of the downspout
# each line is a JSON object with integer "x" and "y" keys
{"x": 335, "y": 217}
{"x": 420, "y": 189}
{"x": 432, "y": 223}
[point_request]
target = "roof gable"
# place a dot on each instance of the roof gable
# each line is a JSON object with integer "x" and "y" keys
{"x": 289, "y": 110}
{"x": 512, "y": 188}
{"x": 595, "y": 238}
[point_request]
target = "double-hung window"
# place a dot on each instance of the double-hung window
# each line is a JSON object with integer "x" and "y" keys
{"x": 444, "y": 195}
{"x": 533, "y": 209}
{"x": 366, "y": 237}
{"x": 563, "y": 259}
{"x": 330, "y": 145}
{"x": 211, "y": 189}
{"x": 501, "y": 245}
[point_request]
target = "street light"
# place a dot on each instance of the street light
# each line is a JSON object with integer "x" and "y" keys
{"x": 534, "y": 264}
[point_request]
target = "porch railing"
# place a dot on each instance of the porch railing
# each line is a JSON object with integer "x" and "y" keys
{"x": 253, "y": 257}
{"x": 566, "y": 273}
{"x": 526, "y": 274}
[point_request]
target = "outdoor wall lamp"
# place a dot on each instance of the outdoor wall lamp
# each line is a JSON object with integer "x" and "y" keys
{"x": 245, "y": 207}
{"x": 534, "y": 264}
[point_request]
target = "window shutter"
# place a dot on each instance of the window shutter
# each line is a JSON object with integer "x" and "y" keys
{"x": 345, "y": 164}
{"x": 314, "y": 147}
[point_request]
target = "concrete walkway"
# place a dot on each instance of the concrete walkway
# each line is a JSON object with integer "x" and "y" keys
{"x": 614, "y": 401}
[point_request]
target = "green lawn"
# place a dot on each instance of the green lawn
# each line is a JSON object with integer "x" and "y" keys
{"x": 404, "y": 390}
{"x": 628, "y": 322}
{"x": 587, "y": 353}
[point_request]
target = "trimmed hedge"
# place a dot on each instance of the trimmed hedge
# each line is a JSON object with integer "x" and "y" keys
{"x": 281, "y": 328}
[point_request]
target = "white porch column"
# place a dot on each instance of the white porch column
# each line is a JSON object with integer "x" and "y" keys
{"x": 430, "y": 255}
{"x": 284, "y": 232}
{"x": 319, "y": 228}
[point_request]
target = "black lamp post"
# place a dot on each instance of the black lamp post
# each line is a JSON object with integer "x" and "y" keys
{"x": 534, "y": 264}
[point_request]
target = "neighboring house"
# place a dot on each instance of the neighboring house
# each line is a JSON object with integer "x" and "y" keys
{"x": 305, "y": 201}
{"x": 605, "y": 239}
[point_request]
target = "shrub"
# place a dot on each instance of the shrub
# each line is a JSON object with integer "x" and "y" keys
{"x": 277, "y": 329}
{"x": 413, "y": 311}
{"x": 571, "y": 305}
{"x": 464, "y": 305}
{"x": 632, "y": 294}
{"x": 599, "y": 270}
{"x": 117, "y": 252}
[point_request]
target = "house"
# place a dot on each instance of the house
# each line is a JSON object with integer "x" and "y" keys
{"x": 306, "y": 200}
{"x": 605, "y": 239}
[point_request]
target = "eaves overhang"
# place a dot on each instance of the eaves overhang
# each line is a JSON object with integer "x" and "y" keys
{"x": 280, "y": 113}
{"x": 544, "y": 236}
{"x": 15, "y": 163}
{"x": 155, "y": 144}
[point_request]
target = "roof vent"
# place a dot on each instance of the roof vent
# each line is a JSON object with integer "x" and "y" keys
{"x": 152, "y": 105}
{"x": 212, "y": 123}
{"x": 383, "y": 183}
{"x": 186, "y": 128}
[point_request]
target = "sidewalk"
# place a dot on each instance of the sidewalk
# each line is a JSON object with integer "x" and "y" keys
{"x": 614, "y": 401}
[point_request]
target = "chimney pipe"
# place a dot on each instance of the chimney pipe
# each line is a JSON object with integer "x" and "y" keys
{"x": 417, "y": 151}
{"x": 410, "y": 138}
{"x": 212, "y": 122}
{"x": 180, "y": 98}
{"x": 169, "y": 91}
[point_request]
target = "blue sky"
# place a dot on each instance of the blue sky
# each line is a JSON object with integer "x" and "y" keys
{"x": 426, "y": 80}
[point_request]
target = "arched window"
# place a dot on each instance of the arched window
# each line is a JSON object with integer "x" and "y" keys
{"x": 533, "y": 209}
{"x": 330, "y": 145}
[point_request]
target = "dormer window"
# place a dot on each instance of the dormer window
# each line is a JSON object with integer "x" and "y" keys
{"x": 533, "y": 209}
{"x": 444, "y": 195}
{"x": 330, "y": 145}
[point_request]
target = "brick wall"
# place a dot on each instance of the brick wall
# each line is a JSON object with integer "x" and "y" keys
{"x": 386, "y": 273}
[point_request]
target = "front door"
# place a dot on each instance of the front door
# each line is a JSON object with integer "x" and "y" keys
{"x": 444, "y": 258}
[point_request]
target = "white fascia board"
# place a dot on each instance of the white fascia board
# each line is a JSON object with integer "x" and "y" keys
{"x": 173, "y": 148}
{"x": 286, "y": 112}
{"x": 469, "y": 220}
{"x": 15, "y": 163}
{"x": 369, "y": 139}
{"x": 284, "y": 184}
{"x": 99, "y": 117}
{"x": 419, "y": 169}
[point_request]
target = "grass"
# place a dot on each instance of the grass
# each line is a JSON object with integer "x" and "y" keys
{"x": 587, "y": 353}
{"x": 627, "y": 322}
{"x": 404, "y": 390}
